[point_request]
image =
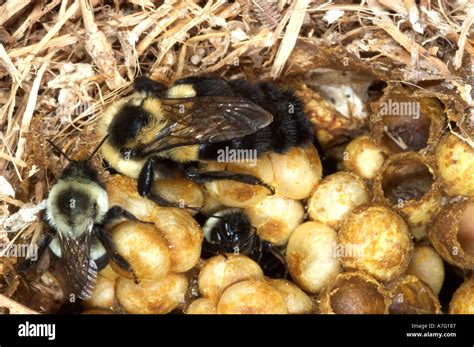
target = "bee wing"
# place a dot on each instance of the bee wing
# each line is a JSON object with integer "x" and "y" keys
{"x": 215, "y": 118}
{"x": 80, "y": 269}
{"x": 207, "y": 119}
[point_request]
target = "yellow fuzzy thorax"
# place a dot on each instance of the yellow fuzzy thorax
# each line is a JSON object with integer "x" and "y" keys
{"x": 156, "y": 123}
{"x": 181, "y": 91}
{"x": 182, "y": 154}
{"x": 153, "y": 106}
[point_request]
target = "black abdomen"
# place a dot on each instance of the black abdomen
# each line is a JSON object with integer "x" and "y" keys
{"x": 289, "y": 128}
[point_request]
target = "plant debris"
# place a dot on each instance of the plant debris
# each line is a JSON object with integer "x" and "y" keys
{"x": 62, "y": 62}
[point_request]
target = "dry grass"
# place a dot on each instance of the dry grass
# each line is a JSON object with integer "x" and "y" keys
{"x": 63, "y": 61}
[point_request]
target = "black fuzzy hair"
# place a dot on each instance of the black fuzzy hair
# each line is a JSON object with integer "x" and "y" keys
{"x": 126, "y": 125}
{"x": 290, "y": 126}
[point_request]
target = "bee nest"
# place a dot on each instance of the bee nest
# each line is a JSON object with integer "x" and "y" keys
{"x": 428, "y": 266}
{"x": 104, "y": 295}
{"x": 202, "y": 306}
{"x": 363, "y": 157}
{"x": 462, "y": 301}
{"x": 181, "y": 191}
{"x": 234, "y": 284}
{"x": 251, "y": 297}
{"x": 182, "y": 233}
{"x": 407, "y": 183}
{"x": 297, "y": 172}
{"x": 147, "y": 297}
{"x": 404, "y": 122}
{"x": 452, "y": 233}
{"x": 398, "y": 123}
{"x": 354, "y": 293}
{"x": 409, "y": 295}
{"x": 221, "y": 271}
{"x": 312, "y": 256}
{"x": 237, "y": 194}
{"x": 275, "y": 218}
{"x": 145, "y": 249}
{"x": 455, "y": 163}
{"x": 161, "y": 248}
{"x": 335, "y": 197}
{"x": 376, "y": 239}
{"x": 297, "y": 302}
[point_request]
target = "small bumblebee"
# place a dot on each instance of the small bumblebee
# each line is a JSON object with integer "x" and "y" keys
{"x": 193, "y": 121}
{"x": 230, "y": 231}
{"x": 77, "y": 210}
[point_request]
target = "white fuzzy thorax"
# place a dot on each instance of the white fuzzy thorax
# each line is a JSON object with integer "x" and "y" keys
{"x": 97, "y": 249}
{"x": 92, "y": 189}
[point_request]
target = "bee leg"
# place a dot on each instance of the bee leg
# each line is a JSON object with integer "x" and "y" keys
{"x": 109, "y": 245}
{"x": 201, "y": 177}
{"x": 257, "y": 250}
{"x": 252, "y": 245}
{"x": 268, "y": 247}
{"x": 147, "y": 85}
{"x": 223, "y": 253}
{"x": 25, "y": 264}
{"x": 223, "y": 237}
{"x": 145, "y": 186}
{"x": 117, "y": 212}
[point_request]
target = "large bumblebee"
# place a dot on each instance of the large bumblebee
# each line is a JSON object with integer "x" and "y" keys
{"x": 157, "y": 127}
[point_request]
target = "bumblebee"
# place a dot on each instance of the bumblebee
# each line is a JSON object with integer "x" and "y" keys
{"x": 77, "y": 210}
{"x": 158, "y": 127}
{"x": 230, "y": 231}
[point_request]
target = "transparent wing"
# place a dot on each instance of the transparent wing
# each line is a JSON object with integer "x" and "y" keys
{"x": 207, "y": 120}
{"x": 80, "y": 269}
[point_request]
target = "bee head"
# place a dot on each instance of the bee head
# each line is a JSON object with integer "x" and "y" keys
{"x": 80, "y": 169}
{"x": 237, "y": 228}
{"x": 75, "y": 203}
{"x": 127, "y": 125}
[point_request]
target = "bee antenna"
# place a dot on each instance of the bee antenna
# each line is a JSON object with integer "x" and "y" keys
{"x": 98, "y": 147}
{"x": 58, "y": 149}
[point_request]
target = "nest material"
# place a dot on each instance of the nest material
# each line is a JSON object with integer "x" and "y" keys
{"x": 62, "y": 62}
